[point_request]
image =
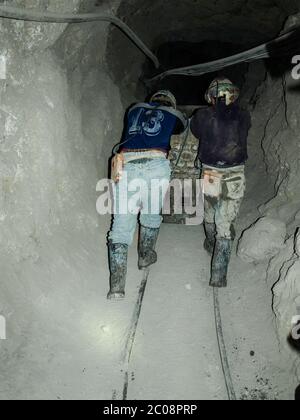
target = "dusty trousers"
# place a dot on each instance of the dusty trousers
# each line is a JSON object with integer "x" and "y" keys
{"x": 140, "y": 192}
{"x": 224, "y": 191}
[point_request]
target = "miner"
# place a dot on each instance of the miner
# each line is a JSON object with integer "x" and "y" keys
{"x": 142, "y": 155}
{"x": 222, "y": 129}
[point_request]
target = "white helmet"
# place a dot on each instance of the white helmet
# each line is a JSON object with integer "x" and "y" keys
{"x": 164, "y": 96}
{"x": 222, "y": 87}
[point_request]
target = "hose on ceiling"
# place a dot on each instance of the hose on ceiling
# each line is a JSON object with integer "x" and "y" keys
{"x": 280, "y": 46}
{"x": 30, "y": 15}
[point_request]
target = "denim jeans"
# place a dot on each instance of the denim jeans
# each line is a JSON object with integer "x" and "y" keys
{"x": 141, "y": 191}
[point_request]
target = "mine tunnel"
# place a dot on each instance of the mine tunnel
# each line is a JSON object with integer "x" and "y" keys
{"x": 64, "y": 91}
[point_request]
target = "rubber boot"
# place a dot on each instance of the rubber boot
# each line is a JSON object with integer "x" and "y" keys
{"x": 118, "y": 254}
{"x": 220, "y": 262}
{"x": 210, "y": 232}
{"x": 147, "y": 254}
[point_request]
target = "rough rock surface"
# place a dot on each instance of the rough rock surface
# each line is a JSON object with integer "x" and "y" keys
{"x": 276, "y": 117}
{"x": 262, "y": 241}
{"x": 59, "y": 117}
{"x": 297, "y": 243}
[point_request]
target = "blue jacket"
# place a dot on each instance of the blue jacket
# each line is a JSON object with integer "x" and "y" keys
{"x": 150, "y": 126}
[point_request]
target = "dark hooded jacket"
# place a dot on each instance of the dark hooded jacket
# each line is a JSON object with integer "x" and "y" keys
{"x": 223, "y": 132}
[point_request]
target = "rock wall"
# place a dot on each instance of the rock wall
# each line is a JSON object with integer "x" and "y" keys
{"x": 59, "y": 117}
{"x": 276, "y": 128}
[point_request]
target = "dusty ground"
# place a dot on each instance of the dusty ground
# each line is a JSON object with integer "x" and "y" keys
{"x": 77, "y": 353}
{"x": 175, "y": 354}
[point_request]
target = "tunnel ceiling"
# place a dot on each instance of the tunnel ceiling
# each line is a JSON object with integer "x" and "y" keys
{"x": 243, "y": 21}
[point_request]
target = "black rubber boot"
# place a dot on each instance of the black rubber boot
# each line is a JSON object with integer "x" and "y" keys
{"x": 220, "y": 262}
{"x": 147, "y": 254}
{"x": 210, "y": 232}
{"x": 118, "y": 254}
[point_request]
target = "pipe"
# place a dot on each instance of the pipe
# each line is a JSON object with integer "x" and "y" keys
{"x": 17, "y": 13}
{"x": 279, "y": 46}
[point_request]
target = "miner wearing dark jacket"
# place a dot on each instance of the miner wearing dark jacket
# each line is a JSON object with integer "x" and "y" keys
{"x": 222, "y": 130}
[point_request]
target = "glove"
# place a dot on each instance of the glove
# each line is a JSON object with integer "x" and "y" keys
{"x": 117, "y": 167}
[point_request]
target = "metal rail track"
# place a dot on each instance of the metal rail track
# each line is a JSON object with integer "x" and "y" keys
{"x": 126, "y": 358}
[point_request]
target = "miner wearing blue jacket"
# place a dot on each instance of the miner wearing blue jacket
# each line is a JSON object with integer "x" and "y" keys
{"x": 144, "y": 153}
